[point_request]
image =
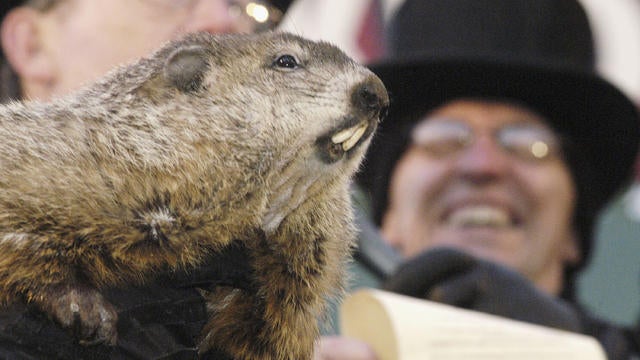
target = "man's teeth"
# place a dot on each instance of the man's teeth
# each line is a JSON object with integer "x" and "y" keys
{"x": 349, "y": 137}
{"x": 479, "y": 216}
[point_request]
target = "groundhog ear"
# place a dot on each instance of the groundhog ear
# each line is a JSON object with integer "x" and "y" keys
{"x": 186, "y": 67}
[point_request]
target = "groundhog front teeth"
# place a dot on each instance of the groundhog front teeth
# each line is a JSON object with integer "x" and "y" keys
{"x": 349, "y": 137}
{"x": 343, "y": 135}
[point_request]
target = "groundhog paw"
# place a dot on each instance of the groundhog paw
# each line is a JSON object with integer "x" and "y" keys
{"x": 84, "y": 311}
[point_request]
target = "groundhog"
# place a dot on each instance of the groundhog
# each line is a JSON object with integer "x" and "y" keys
{"x": 208, "y": 142}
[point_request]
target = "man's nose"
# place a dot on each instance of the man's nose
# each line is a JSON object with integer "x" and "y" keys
{"x": 482, "y": 160}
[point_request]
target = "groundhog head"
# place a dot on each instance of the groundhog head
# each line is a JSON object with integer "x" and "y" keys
{"x": 290, "y": 110}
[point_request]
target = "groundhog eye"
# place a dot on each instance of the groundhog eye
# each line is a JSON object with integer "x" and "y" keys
{"x": 286, "y": 61}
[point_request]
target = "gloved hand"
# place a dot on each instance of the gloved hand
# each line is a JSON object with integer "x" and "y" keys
{"x": 159, "y": 320}
{"x": 455, "y": 278}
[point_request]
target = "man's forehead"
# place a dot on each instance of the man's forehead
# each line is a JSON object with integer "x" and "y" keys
{"x": 487, "y": 112}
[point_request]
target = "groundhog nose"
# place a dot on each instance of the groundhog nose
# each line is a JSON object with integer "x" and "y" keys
{"x": 371, "y": 96}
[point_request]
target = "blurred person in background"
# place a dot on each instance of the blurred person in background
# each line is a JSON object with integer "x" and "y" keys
{"x": 53, "y": 47}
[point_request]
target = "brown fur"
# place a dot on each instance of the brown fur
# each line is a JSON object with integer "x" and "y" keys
{"x": 170, "y": 159}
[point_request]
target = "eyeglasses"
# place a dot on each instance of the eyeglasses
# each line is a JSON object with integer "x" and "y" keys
{"x": 257, "y": 15}
{"x": 525, "y": 141}
{"x": 261, "y": 14}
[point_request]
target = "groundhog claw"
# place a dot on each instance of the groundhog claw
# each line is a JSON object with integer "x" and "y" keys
{"x": 84, "y": 311}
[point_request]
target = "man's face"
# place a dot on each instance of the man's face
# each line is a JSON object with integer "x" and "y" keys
{"x": 487, "y": 178}
{"x": 87, "y": 37}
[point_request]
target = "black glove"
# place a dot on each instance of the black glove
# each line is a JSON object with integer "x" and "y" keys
{"x": 452, "y": 277}
{"x": 160, "y": 320}
{"x": 155, "y": 322}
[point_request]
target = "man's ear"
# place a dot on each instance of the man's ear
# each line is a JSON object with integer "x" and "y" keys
{"x": 22, "y": 43}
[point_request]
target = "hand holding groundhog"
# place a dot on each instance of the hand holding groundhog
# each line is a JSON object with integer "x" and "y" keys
{"x": 211, "y": 142}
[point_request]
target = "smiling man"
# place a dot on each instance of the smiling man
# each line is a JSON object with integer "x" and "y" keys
{"x": 489, "y": 178}
{"x": 501, "y": 139}
{"x": 501, "y": 146}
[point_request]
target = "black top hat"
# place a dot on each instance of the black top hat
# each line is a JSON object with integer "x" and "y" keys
{"x": 537, "y": 52}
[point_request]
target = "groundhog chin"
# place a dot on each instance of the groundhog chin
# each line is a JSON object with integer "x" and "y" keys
{"x": 345, "y": 140}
